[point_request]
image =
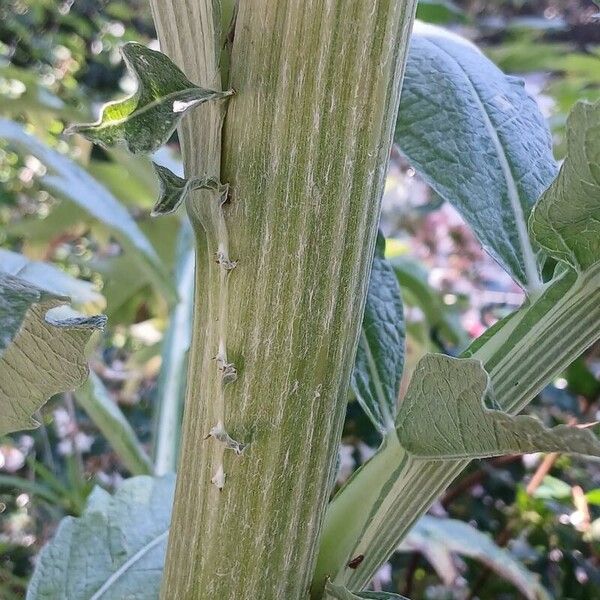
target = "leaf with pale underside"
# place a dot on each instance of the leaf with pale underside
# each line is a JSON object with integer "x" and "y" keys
{"x": 146, "y": 120}
{"x": 380, "y": 354}
{"x": 478, "y": 140}
{"x": 115, "y": 550}
{"x": 338, "y": 592}
{"x": 443, "y": 417}
{"x": 42, "y": 350}
{"x": 566, "y": 220}
{"x": 174, "y": 189}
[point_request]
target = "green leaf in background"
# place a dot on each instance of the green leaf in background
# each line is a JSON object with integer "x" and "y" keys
{"x": 42, "y": 350}
{"x": 22, "y": 91}
{"x": 478, "y": 140}
{"x": 128, "y": 177}
{"x": 417, "y": 291}
{"x": 338, "y": 592}
{"x": 552, "y": 488}
{"x": 380, "y": 354}
{"x": 439, "y": 11}
{"x": 67, "y": 180}
{"x": 593, "y": 497}
{"x": 529, "y": 52}
{"x": 146, "y": 120}
{"x": 174, "y": 189}
{"x": 83, "y": 294}
{"x": 566, "y": 220}
{"x": 438, "y": 540}
{"x": 95, "y": 399}
{"x": 115, "y": 550}
{"x": 443, "y": 417}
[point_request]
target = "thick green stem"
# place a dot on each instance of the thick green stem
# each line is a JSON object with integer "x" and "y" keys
{"x": 305, "y": 149}
{"x": 521, "y": 357}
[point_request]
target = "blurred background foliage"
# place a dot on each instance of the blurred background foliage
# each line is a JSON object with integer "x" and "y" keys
{"x": 59, "y": 61}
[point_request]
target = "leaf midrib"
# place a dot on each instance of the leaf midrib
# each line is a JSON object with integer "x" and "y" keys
{"x": 137, "y": 112}
{"x": 128, "y": 564}
{"x": 387, "y": 417}
{"x": 530, "y": 263}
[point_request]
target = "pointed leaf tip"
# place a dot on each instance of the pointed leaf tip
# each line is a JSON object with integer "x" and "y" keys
{"x": 146, "y": 120}
{"x": 174, "y": 189}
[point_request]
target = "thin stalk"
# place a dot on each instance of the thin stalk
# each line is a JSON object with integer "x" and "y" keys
{"x": 49, "y": 478}
{"x": 77, "y": 469}
{"x": 541, "y": 472}
{"x": 93, "y": 397}
{"x": 31, "y": 487}
{"x": 47, "y": 448}
{"x": 171, "y": 385}
{"x": 306, "y": 142}
{"x": 522, "y": 357}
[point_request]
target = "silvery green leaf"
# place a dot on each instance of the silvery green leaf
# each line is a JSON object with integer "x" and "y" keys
{"x": 524, "y": 353}
{"x": 65, "y": 179}
{"x": 174, "y": 189}
{"x": 115, "y": 550}
{"x": 146, "y": 120}
{"x": 443, "y": 417}
{"x": 566, "y": 220}
{"x": 439, "y": 539}
{"x": 338, "y": 592}
{"x": 42, "y": 350}
{"x": 478, "y": 140}
{"x": 380, "y": 354}
{"x": 83, "y": 294}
